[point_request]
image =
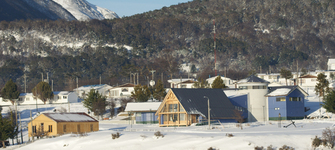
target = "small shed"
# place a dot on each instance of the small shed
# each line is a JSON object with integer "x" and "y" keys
{"x": 54, "y": 124}
{"x": 144, "y": 112}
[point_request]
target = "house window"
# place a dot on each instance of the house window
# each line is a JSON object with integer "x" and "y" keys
{"x": 64, "y": 97}
{"x": 173, "y": 117}
{"x": 91, "y": 127}
{"x": 183, "y": 86}
{"x": 34, "y": 129}
{"x": 42, "y": 127}
{"x": 280, "y": 99}
{"x": 27, "y": 99}
{"x": 181, "y": 109}
{"x": 64, "y": 128}
{"x": 277, "y": 108}
{"x": 182, "y": 117}
{"x": 125, "y": 90}
{"x": 243, "y": 87}
{"x": 50, "y": 128}
{"x": 78, "y": 128}
{"x": 175, "y": 106}
{"x": 20, "y": 99}
{"x": 295, "y": 98}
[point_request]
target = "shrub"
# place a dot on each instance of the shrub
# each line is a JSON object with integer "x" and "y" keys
{"x": 229, "y": 135}
{"x": 316, "y": 142}
{"x": 158, "y": 134}
{"x": 285, "y": 147}
{"x": 259, "y": 148}
{"x": 329, "y": 136}
{"x": 270, "y": 148}
{"x": 115, "y": 136}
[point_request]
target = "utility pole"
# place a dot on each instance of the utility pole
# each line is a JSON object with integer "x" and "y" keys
{"x": 297, "y": 80}
{"x": 215, "y": 66}
{"x": 100, "y": 79}
{"x": 209, "y": 113}
{"x": 42, "y": 77}
{"x": 153, "y": 71}
{"x": 31, "y": 124}
{"x": 25, "y": 83}
{"x": 137, "y": 79}
{"x": 52, "y": 85}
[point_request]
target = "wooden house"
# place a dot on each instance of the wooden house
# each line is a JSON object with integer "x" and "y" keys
{"x": 182, "y": 107}
{"x": 54, "y": 124}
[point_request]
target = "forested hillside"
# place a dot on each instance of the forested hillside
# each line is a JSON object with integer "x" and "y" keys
{"x": 251, "y": 34}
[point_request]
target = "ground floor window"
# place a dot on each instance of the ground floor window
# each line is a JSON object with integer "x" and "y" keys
{"x": 295, "y": 98}
{"x": 64, "y": 128}
{"x": 78, "y": 128}
{"x": 50, "y": 128}
{"x": 182, "y": 117}
{"x": 91, "y": 127}
{"x": 34, "y": 129}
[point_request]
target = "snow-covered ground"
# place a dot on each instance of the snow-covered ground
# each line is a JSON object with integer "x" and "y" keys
{"x": 141, "y": 137}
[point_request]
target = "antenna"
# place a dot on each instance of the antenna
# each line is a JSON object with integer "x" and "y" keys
{"x": 215, "y": 67}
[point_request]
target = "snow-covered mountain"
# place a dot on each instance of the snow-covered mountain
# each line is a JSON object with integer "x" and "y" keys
{"x": 83, "y": 10}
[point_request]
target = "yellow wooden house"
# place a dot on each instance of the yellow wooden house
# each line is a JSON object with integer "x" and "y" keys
{"x": 182, "y": 107}
{"x": 54, "y": 124}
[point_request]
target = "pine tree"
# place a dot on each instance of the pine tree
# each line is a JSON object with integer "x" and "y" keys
{"x": 159, "y": 92}
{"x": 287, "y": 74}
{"x": 43, "y": 91}
{"x": 218, "y": 83}
{"x": 94, "y": 100}
{"x": 10, "y": 92}
{"x": 322, "y": 87}
{"x": 201, "y": 83}
{"x": 141, "y": 93}
{"x": 329, "y": 102}
{"x": 5, "y": 130}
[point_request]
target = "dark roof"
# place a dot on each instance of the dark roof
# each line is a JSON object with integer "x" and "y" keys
{"x": 194, "y": 102}
{"x": 253, "y": 78}
{"x": 308, "y": 76}
{"x": 292, "y": 88}
{"x": 70, "y": 117}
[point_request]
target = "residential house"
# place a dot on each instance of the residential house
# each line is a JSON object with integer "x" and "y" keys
{"x": 55, "y": 124}
{"x": 307, "y": 80}
{"x": 82, "y": 91}
{"x": 331, "y": 64}
{"x": 181, "y": 83}
{"x": 286, "y": 102}
{"x": 122, "y": 91}
{"x": 64, "y": 97}
{"x": 182, "y": 107}
{"x": 144, "y": 112}
{"x": 226, "y": 81}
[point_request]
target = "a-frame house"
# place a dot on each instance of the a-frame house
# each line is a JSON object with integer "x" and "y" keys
{"x": 182, "y": 107}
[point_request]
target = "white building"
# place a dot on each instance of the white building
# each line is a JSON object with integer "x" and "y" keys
{"x": 331, "y": 64}
{"x": 256, "y": 88}
{"x": 226, "y": 81}
{"x": 122, "y": 91}
{"x": 84, "y": 90}
{"x": 64, "y": 97}
{"x": 30, "y": 99}
{"x": 181, "y": 83}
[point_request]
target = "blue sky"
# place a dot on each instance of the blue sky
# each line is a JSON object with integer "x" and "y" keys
{"x": 132, "y": 7}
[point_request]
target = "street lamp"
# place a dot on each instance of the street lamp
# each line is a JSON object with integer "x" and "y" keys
{"x": 209, "y": 113}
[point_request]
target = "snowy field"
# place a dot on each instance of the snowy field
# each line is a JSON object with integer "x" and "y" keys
{"x": 141, "y": 137}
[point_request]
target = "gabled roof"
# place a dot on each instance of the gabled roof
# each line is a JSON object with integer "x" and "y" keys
{"x": 62, "y": 92}
{"x": 284, "y": 90}
{"x": 89, "y": 87}
{"x": 253, "y": 79}
{"x": 142, "y": 106}
{"x": 194, "y": 102}
{"x": 308, "y": 76}
{"x": 189, "y": 81}
{"x": 124, "y": 85}
{"x": 70, "y": 117}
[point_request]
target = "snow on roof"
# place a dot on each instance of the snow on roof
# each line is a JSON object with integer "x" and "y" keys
{"x": 26, "y": 94}
{"x": 70, "y": 117}
{"x": 280, "y": 92}
{"x": 62, "y": 92}
{"x": 331, "y": 61}
{"x": 178, "y": 80}
{"x": 144, "y": 106}
{"x": 89, "y": 87}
